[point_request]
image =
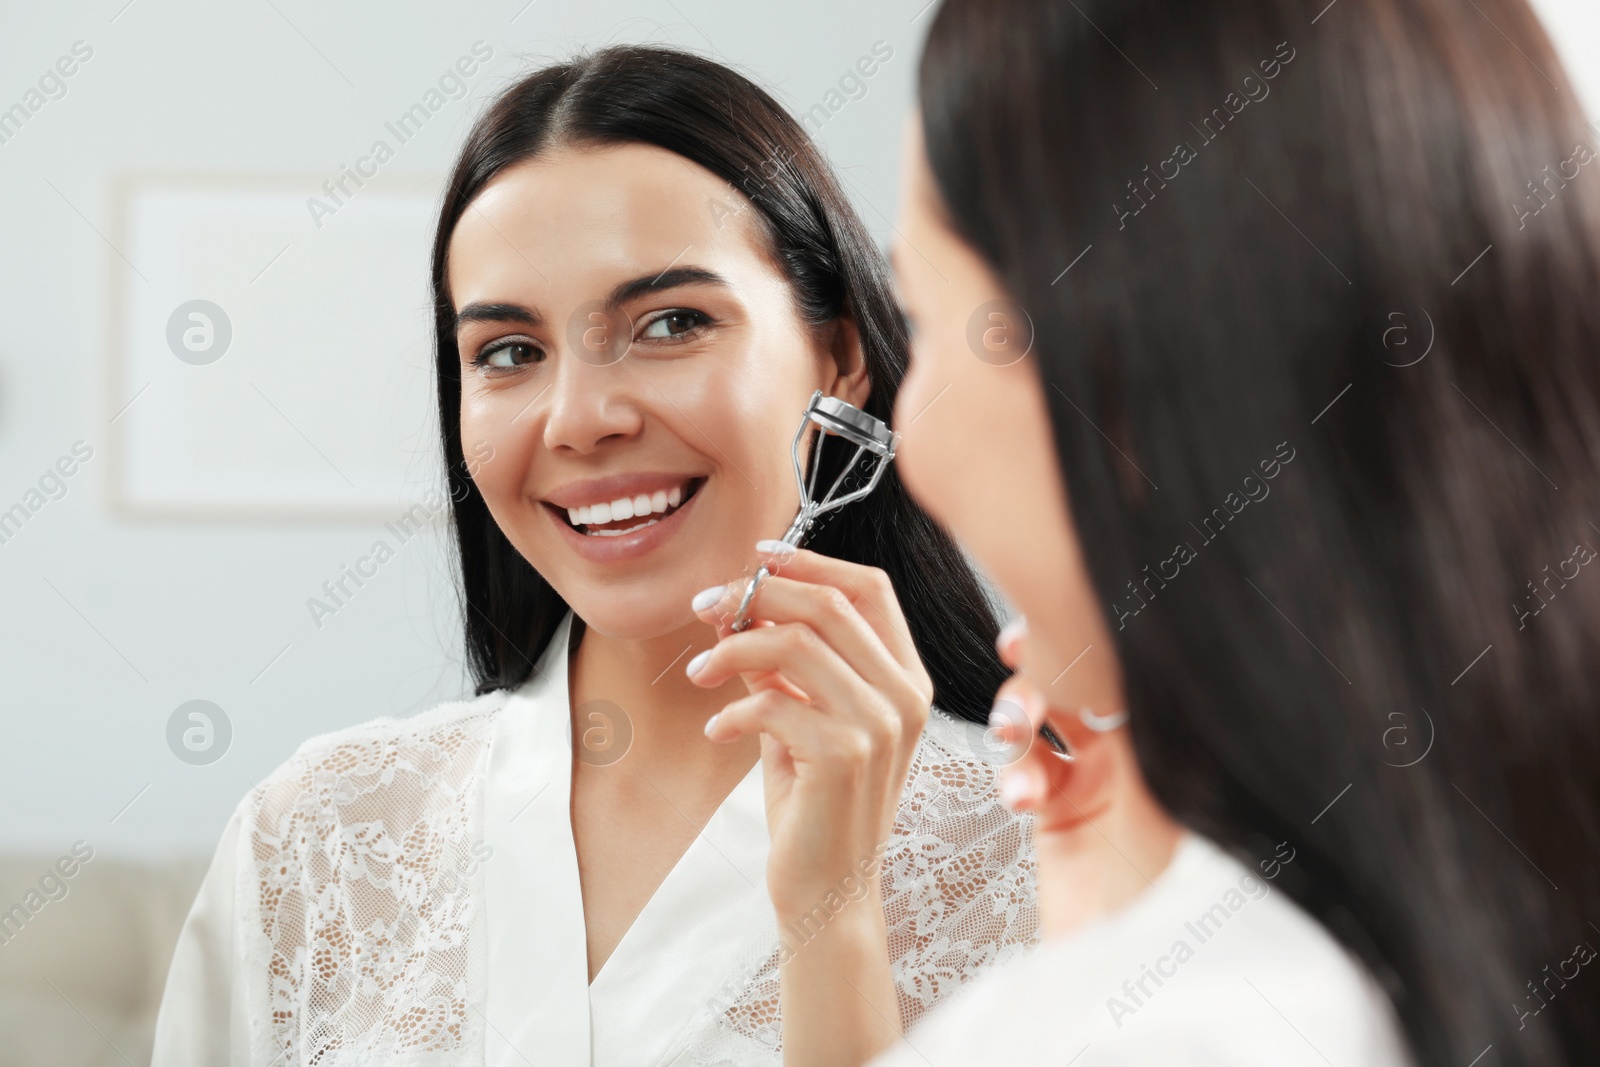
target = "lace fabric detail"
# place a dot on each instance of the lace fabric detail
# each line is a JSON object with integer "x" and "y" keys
{"x": 959, "y": 896}
{"x": 364, "y": 934}
{"x": 363, "y": 938}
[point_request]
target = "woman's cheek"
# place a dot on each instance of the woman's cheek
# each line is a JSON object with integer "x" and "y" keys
{"x": 933, "y": 456}
{"x": 494, "y": 450}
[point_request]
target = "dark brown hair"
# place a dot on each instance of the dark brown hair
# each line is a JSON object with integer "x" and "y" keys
{"x": 1380, "y": 653}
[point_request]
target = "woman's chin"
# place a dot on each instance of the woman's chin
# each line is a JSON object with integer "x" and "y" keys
{"x": 639, "y": 616}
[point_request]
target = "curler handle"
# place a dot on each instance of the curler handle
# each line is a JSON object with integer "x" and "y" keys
{"x": 792, "y": 536}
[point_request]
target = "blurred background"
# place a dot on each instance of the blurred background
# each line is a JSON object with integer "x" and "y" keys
{"x": 216, "y": 403}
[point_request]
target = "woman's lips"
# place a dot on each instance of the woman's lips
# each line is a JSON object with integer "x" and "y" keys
{"x": 626, "y": 544}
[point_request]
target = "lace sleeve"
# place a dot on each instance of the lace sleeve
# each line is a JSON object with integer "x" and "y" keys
{"x": 958, "y": 894}
{"x": 357, "y": 869}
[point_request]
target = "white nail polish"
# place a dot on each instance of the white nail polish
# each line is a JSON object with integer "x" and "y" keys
{"x": 1014, "y": 789}
{"x": 712, "y": 722}
{"x": 706, "y": 598}
{"x": 695, "y": 664}
{"x": 1012, "y": 630}
{"x": 775, "y": 548}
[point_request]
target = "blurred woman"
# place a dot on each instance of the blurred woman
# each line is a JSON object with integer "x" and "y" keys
{"x": 645, "y": 841}
{"x": 1255, "y": 356}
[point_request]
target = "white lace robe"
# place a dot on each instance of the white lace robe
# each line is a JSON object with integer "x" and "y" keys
{"x": 406, "y": 892}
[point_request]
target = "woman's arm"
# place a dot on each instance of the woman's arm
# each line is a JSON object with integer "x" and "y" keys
{"x": 840, "y": 698}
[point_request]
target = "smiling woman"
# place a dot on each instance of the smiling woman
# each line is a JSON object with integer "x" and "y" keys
{"x": 649, "y": 839}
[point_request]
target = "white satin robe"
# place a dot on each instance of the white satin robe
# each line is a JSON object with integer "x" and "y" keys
{"x": 353, "y": 912}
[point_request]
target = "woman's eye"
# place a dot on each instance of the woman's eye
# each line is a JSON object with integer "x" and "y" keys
{"x": 673, "y": 325}
{"x": 508, "y": 354}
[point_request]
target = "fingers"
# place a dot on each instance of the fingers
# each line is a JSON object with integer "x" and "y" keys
{"x": 868, "y": 589}
{"x": 1015, "y": 693}
{"x": 800, "y": 655}
{"x": 834, "y": 618}
{"x": 1009, "y": 643}
{"x": 791, "y": 722}
{"x": 1034, "y": 780}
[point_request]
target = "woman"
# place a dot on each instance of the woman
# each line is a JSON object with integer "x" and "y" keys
{"x": 1290, "y": 460}
{"x": 643, "y": 269}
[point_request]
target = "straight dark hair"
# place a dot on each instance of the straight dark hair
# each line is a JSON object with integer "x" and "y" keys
{"x": 722, "y": 121}
{"x": 1344, "y": 256}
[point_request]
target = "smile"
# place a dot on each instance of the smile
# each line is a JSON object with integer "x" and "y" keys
{"x": 622, "y": 517}
{"x": 626, "y": 514}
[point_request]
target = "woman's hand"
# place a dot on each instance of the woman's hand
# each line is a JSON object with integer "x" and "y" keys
{"x": 839, "y": 697}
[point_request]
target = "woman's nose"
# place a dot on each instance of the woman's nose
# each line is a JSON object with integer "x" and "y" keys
{"x": 588, "y": 402}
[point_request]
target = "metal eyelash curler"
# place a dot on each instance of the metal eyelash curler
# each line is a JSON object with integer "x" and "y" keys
{"x": 832, "y": 417}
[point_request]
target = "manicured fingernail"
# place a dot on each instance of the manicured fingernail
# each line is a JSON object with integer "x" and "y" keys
{"x": 775, "y": 548}
{"x": 695, "y": 664}
{"x": 1015, "y": 790}
{"x": 1011, "y": 631}
{"x": 706, "y": 598}
{"x": 999, "y": 716}
{"x": 711, "y": 723}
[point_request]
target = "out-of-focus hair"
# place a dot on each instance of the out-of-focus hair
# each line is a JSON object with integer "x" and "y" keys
{"x": 1412, "y": 173}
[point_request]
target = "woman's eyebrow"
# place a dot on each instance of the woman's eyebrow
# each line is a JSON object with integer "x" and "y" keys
{"x": 670, "y": 278}
{"x": 478, "y": 312}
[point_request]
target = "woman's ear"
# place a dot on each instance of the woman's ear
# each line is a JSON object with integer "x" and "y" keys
{"x": 850, "y": 381}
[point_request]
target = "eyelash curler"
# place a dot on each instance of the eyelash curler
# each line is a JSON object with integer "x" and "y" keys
{"x": 833, "y": 418}
{"x": 836, "y": 418}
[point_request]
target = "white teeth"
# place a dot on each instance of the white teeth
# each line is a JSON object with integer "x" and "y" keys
{"x": 619, "y": 533}
{"x": 626, "y": 508}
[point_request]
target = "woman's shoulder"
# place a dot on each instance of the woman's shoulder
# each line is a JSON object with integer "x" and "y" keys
{"x": 1209, "y": 965}
{"x": 1232, "y": 966}
{"x": 954, "y": 782}
{"x": 382, "y": 749}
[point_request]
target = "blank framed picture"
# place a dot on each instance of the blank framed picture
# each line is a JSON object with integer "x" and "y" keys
{"x": 271, "y": 348}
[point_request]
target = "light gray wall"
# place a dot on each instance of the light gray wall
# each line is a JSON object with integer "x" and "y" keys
{"x": 111, "y": 623}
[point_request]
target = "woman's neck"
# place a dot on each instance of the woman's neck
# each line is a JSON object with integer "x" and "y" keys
{"x": 662, "y": 712}
{"x": 1092, "y": 866}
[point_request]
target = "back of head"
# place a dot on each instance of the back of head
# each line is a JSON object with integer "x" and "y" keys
{"x": 1327, "y": 405}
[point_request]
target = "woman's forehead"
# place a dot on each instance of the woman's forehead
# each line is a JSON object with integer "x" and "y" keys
{"x": 591, "y": 215}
